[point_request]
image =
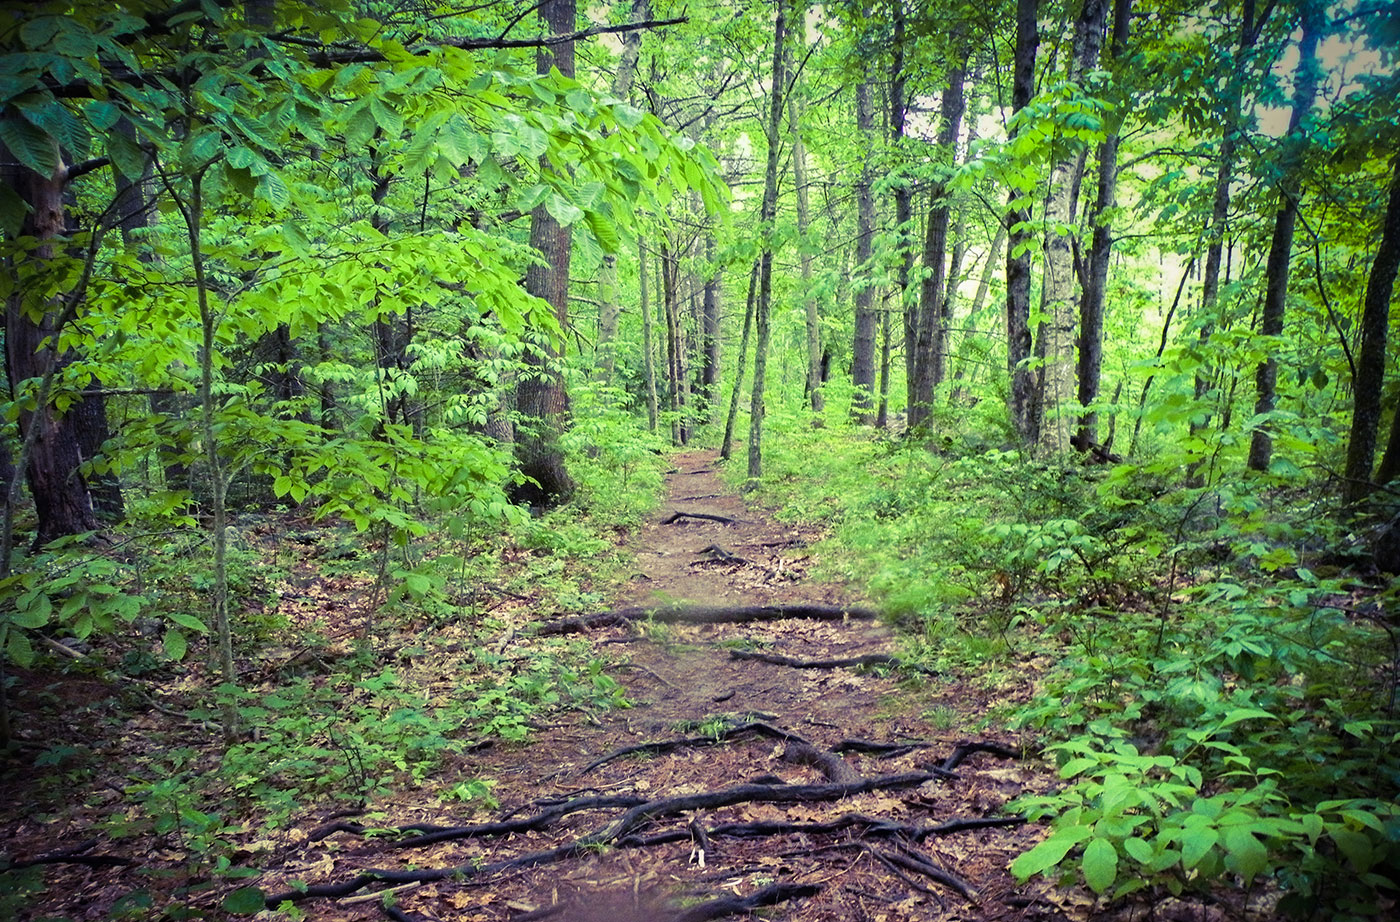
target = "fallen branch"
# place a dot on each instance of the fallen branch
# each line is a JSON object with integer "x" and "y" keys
{"x": 659, "y": 746}
{"x": 74, "y": 855}
{"x": 677, "y": 516}
{"x": 702, "y": 614}
{"x": 720, "y": 554}
{"x": 851, "y": 662}
{"x": 921, "y": 865}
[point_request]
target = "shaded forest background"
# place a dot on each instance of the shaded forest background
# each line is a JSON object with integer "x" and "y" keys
{"x": 1071, "y": 321}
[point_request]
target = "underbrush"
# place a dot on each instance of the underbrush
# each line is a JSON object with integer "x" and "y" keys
{"x": 373, "y": 664}
{"x": 1216, "y": 671}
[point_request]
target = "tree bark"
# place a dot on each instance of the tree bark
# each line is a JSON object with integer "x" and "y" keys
{"x": 678, "y": 385}
{"x": 1091, "y": 303}
{"x": 930, "y": 328}
{"x": 903, "y": 191}
{"x": 709, "y": 331}
{"x": 540, "y": 396}
{"x": 1056, "y": 336}
{"x": 813, "y": 385}
{"x": 1370, "y": 364}
{"x": 1276, "y": 270}
{"x": 62, "y": 501}
{"x": 608, "y": 308}
{"x": 767, "y": 212}
{"x": 727, "y": 445}
{"x": 1020, "y": 394}
{"x": 648, "y": 344}
{"x": 866, "y": 319}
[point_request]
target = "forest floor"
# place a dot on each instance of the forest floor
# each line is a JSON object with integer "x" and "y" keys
{"x": 749, "y": 769}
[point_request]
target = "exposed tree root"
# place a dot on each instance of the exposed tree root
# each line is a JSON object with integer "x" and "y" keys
{"x": 675, "y": 517}
{"x": 833, "y": 767}
{"x": 74, "y": 854}
{"x": 734, "y": 905}
{"x": 660, "y": 746}
{"x": 869, "y": 826}
{"x": 883, "y": 750}
{"x": 706, "y": 614}
{"x": 611, "y": 833}
{"x": 851, "y": 662}
{"x": 968, "y": 747}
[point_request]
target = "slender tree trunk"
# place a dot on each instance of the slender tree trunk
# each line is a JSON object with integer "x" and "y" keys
{"x": 648, "y": 346}
{"x": 1091, "y": 303}
{"x": 1261, "y": 445}
{"x": 677, "y": 383}
{"x": 813, "y": 386}
{"x": 903, "y": 191}
{"x": 767, "y": 212}
{"x": 1020, "y": 395}
{"x": 727, "y": 446}
{"x": 866, "y": 319}
{"x": 608, "y": 308}
{"x": 1057, "y": 333}
{"x": 882, "y": 409}
{"x": 930, "y": 329}
{"x": 540, "y": 396}
{"x": 1370, "y": 365}
{"x": 709, "y": 332}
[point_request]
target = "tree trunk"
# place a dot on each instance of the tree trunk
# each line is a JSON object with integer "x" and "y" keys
{"x": 930, "y": 328}
{"x": 727, "y": 446}
{"x": 608, "y": 308}
{"x": 767, "y": 212}
{"x": 709, "y": 332}
{"x": 1370, "y": 365}
{"x": 903, "y": 192}
{"x": 1020, "y": 395}
{"x": 882, "y": 410}
{"x": 62, "y": 501}
{"x": 1261, "y": 445}
{"x": 1057, "y": 331}
{"x": 866, "y": 319}
{"x": 677, "y": 383}
{"x": 1091, "y": 303}
{"x": 813, "y": 387}
{"x": 979, "y": 298}
{"x": 540, "y": 396}
{"x": 648, "y": 344}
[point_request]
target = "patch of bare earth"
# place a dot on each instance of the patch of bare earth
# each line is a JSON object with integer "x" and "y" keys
{"x": 754, "y": 772}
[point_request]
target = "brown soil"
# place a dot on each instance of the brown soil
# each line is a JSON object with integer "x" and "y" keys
{"x": 683, "y": 683}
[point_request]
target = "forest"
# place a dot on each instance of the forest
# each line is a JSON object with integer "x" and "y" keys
{"x": 663, "y": 460}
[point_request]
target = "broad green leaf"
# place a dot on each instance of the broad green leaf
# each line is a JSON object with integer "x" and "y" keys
{"x": 1140, "y": 850}
{"x": 1195, "y": 843}
{"x": 274, "y": 190}
{"x": 127, "y": 156}
{"x": 188, "y": 621}
{"x": 33, "y": 612}
{"x": 1075, "y": 766}
{"x": 563, "y": 210}
{"x": 1245, "y": 854}
{"x": 12, "y": 211}
{"x": 385, "y": 117}
{"x": 245, "y": 901}
{"x": 1356, "y": 847}
{"x": 1239, "y": 714}
{"x": 628, "y": 116}
{"x": 18, "y": 649}
{"x": 1100, "y": 864}
{"x": 175, "y": 645}
{"x": 1050, "y": 852}
{"x": 30, "y": 144}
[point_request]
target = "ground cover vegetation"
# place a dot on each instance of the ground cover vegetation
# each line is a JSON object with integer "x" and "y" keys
{"x": 334, "y": 329}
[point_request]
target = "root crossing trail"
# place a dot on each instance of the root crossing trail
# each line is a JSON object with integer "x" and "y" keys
{"x": 777, "y": 757}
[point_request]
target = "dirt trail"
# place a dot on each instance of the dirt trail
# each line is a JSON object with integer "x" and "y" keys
{"x": 867, "y": 862}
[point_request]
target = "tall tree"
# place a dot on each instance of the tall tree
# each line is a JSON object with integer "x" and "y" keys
{"x": 809, "y": 300}
{"x": 901, "y": 186}
{"x": 1290, "y": 186}
{"x": 931, "y": 328}
{"x": 1056, "y": 334}
{"x": 1370, "y": 363}
{"x": 768, "y": 210}
{"x": 1091, "y": 302}
{"x": 866, "y": 319}
{"x": 540, "y": 396}
{"x": 1019, "y": 241}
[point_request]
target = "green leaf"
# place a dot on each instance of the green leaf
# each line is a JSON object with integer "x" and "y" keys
{"x": 628, "y": 116}
{"x": 19, "y": 650}
{"x": 127, "y": 156}
{"x": 103, "y": 115}
{"x": 1244, "y": 854}
{"x": 1239, "y": 714}
{"x": 563, "y": 210}
{"x": 62, "y": 125}
{"x": 1049, "y": 853}
{"x": 12, "y": 211}
{"x": 1140, "y": 850}
{"x": 386, "y": 118}
{"x": 274, "y": 190}
{"x": 175, "y": 645}
{"x": 188, "y": 621}
{"x": 1075, "y": 766}
{"x": 604, "y": 231}
{"x": 1196, "y": 843}
{"x": 30, "y": 144}
{"x": 1100, "y": 864}
{"x": 245, "y": 901}
{"x": 1354, "y": 845}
